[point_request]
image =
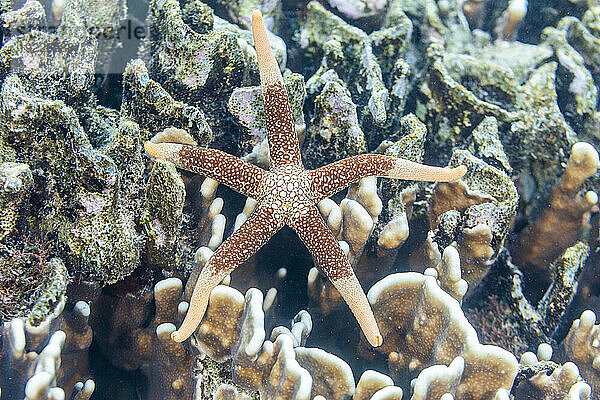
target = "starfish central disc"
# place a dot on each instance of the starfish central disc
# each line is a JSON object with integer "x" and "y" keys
{"x": 287, "y": 190}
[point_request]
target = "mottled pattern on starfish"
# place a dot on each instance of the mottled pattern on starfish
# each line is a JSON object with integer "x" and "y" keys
{"x": 286, "y": 195}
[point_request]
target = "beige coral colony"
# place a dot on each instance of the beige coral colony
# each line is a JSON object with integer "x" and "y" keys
{"x": 303, "y": 200}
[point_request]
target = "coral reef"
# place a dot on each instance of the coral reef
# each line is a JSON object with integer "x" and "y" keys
{"x": 101, "y": 245}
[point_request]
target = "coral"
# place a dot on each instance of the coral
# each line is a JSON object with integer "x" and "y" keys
{"x": 198, "y": 68}
{"x": 541, "y": 242}
{"x": 196, "y": 60}
{"x": 398, "y": 196}
{"x": 49, "y": 292}
{"x": 242, "y": 9}
{"x": 488, "y": 146}
{"x": 486, "y": 201}
{"x": 565, "y": 271}
{"x": 265, "y": 366}
{"x": 508, "y": 24}
{"x": 80, "y": 184}
{"x": 154, "y": 109}
{"x": 360, "y": 211}
{"x": 30, "y": 16}
{"x": 332, "y": 377}
{"x": 301, "y": 327}
{"x": 145, "y": 322}
{"x": 356, "y": 9}
{"x": 537, "y": 322}
{"x": 171, "y": 374}
{"x": 276, "y": 368}
{"x": 350, "y": 58}
{"x": 96, "y": 238}
{"x": 563, "y": 383}
{"x": 228, "y": 392}
{"x": 372, "y": 383}
{"x": 575, "y": 47}
{"x": 163, "y": 217}
{"x": 334, "y": 132}
{"x": 246, "y": 41}
{"x": 471, "y": 79}
{"x": 435, "y": 381}
{"x": 448, "y": 274}
{"x": 55, "y": 66}
{"x": 361, "y": 217}
{"x": 217, "y": 334}
{"x": 581, "y": 347}
{"x": 102, "y": 21}
{"x": 541, "y": 378}
{"x": 198, "y": 16}
{"x": 31, "y": 283}
{"x": 246, "y": 105}
{"x": 423, "y": 326}
{"x": 31, "y": 356}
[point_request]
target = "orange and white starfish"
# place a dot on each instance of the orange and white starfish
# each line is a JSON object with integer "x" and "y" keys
{"x": 286, "y": 195}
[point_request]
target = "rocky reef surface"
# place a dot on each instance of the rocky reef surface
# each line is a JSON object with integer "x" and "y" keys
{"x": 483, "y": 288}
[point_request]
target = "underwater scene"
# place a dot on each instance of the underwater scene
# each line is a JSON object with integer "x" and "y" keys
{"x": 303, "y": 200}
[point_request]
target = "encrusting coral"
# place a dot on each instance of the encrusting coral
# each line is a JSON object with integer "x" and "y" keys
{"x": 17, "y": 182}
{"x": 165, "y": 195}
{"x": 76, "y": 181}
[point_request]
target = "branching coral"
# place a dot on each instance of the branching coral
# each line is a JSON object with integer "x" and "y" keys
{"x": 581, "y": 346}
{"x": 541, "y": 378}
{"x": 542, "y": 242}
{"x": 31, "y": 356}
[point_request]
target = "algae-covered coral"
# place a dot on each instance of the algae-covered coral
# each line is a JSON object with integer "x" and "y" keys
{"x": 483, "y": 288}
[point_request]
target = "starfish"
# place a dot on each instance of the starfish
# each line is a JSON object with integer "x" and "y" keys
{"x": 287, "y": 194}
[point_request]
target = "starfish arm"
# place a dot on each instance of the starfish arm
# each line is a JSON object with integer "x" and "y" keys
{"x": 332, "y": 178}
{"x": 284, "y": 147}
{"x": 239, "y": 247}
{"x": 225, "y": 168}
{"x": 329, "y": 256}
